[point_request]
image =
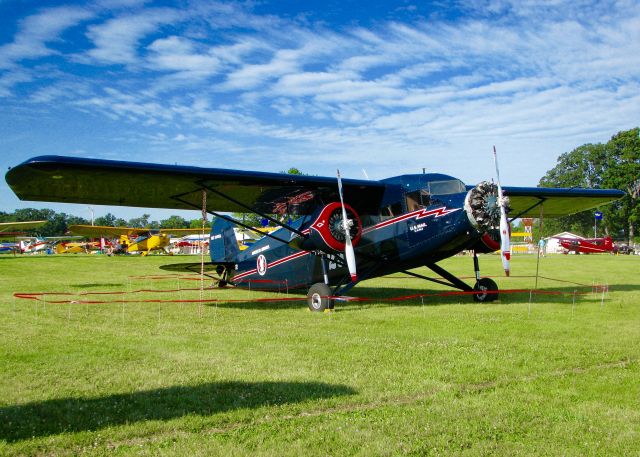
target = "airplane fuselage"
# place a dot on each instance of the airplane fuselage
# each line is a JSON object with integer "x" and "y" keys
{"x": 414, "y": 226}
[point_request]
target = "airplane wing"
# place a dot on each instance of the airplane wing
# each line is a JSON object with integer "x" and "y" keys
{"x": 20, "y": 226}
{"x": 106, "y": 182}
{"x": 556, "y": 202}
{"x": 96, "y": 231}
{"x": 186, "y": 231}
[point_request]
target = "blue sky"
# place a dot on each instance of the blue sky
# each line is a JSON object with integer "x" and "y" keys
{"x": 388, "y": 87}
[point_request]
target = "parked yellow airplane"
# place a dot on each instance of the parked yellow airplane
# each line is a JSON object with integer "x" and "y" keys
{"x": 76, "y": 247}
{"x": 132, "y": 239}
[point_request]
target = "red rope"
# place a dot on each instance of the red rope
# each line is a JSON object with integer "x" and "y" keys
{"x": 37, "y": 296}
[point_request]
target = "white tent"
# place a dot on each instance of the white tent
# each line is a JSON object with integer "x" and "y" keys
{"x": 553, "y": 243}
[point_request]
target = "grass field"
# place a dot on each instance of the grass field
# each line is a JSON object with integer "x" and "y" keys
{"x": 442, "y": 376}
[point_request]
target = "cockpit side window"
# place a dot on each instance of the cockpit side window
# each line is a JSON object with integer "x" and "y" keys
{"x": 389, "y": 211}
{"x": 417, "y": 199}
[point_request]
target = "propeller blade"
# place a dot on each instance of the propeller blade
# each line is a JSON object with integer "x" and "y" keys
{"x": 505, "y": 231}
{"x": 348, "y": 248}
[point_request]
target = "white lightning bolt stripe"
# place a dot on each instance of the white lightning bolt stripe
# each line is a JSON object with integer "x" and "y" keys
{"x": 419, "y": 214}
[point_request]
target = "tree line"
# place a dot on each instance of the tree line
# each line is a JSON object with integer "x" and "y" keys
{"x": 58, "y": 223}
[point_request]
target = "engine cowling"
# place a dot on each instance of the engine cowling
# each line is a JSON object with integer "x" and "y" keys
{"x": 483, "y": 210}
{"x": 327, "y": 234}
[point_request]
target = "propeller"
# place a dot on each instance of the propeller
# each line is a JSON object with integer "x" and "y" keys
{"x": 348, "y": 247}
{"x": 505, "y": 249}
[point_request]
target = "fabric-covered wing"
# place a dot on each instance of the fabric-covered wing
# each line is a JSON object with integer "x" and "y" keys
{"x": 95, "y": 231}
{"x": 183, "y": 232}
{"x": 556, "y": 202}
{"x": 99, "y": 230}
{"x": 9, "y": 226}
{"x": 106, "y": 182}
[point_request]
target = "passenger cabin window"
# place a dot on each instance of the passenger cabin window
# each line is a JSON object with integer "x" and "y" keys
{"x": 389, "y": 211}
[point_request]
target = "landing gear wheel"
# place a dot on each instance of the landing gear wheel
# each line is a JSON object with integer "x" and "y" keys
{"x": 317, "y": 298}
{"x": 482, "y": 287}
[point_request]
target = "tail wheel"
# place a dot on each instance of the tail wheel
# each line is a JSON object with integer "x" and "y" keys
{"x": 318, "y": 297}
{"x": 485, "y": 290}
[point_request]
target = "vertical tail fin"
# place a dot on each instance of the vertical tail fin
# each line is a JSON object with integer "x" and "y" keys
{"x": 223, "y": 245}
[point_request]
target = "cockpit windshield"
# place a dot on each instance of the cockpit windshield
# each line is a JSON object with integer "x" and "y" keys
{"x": 446, "y": 187}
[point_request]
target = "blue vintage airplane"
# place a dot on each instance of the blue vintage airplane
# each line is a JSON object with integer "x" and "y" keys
{"x": 332, "y": 234}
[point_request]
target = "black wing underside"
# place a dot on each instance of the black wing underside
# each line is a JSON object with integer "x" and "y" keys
{"x": 105, "y": 182}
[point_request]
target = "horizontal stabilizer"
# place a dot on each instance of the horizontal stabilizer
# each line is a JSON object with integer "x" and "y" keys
{"x": 191, "y": 267}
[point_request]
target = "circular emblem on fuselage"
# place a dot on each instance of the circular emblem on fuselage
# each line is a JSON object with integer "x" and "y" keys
{"x": 261, "y": 264}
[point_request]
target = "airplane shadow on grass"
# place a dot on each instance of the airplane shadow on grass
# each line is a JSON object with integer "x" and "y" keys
{"x": 412, "y": 297}
{"x": 70, "y": 415}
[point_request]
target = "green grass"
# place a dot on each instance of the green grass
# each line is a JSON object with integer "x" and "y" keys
{"x": 435, "y": 377}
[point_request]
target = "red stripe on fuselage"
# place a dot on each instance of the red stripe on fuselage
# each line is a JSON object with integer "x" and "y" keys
{"x": 419, "y": 214}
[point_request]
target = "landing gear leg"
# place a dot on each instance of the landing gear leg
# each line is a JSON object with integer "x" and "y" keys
{"x": 223, "y": 274}
{"x": 486, "y": 288}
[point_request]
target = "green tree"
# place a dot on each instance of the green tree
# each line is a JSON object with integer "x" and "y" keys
{"x": 140, "y": 222}
{"x": 197, "y": 223}
{"x": 582, "y": 167}
{"x": 623, "y": 172}
{"x": 108, "y": 220}
{"x": 174, "y": 222}
{"x": 293, "y": 171}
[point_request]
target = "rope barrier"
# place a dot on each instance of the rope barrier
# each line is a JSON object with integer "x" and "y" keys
{"x": 42, "y": 296}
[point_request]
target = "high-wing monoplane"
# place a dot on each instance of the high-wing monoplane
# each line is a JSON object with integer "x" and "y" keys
{"x": 587, "y": 245}
{"x": 332, "y": 233}
{"x": 143, "y": 240}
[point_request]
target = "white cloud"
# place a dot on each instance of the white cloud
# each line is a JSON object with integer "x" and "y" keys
{"x": 34, "y": 32}
{"x": 8, "y": 80}
{"x": 116, "y": 41}
{"x": 180, "y": 55}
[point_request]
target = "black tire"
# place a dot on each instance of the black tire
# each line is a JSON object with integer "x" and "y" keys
{"x": 317, "y": 298}
{"x": 483, "y": 286}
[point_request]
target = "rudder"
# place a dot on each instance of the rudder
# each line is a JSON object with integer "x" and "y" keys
{"x": 223, "y": 245}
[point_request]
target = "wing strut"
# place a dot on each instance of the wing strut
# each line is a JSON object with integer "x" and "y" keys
{"x": 265, "y": 216}
{"x": 234, "y": 221}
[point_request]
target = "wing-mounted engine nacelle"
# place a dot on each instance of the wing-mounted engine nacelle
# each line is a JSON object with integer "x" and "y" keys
{"x": 483, "y": 210}
{"x": 327, "y": 233}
